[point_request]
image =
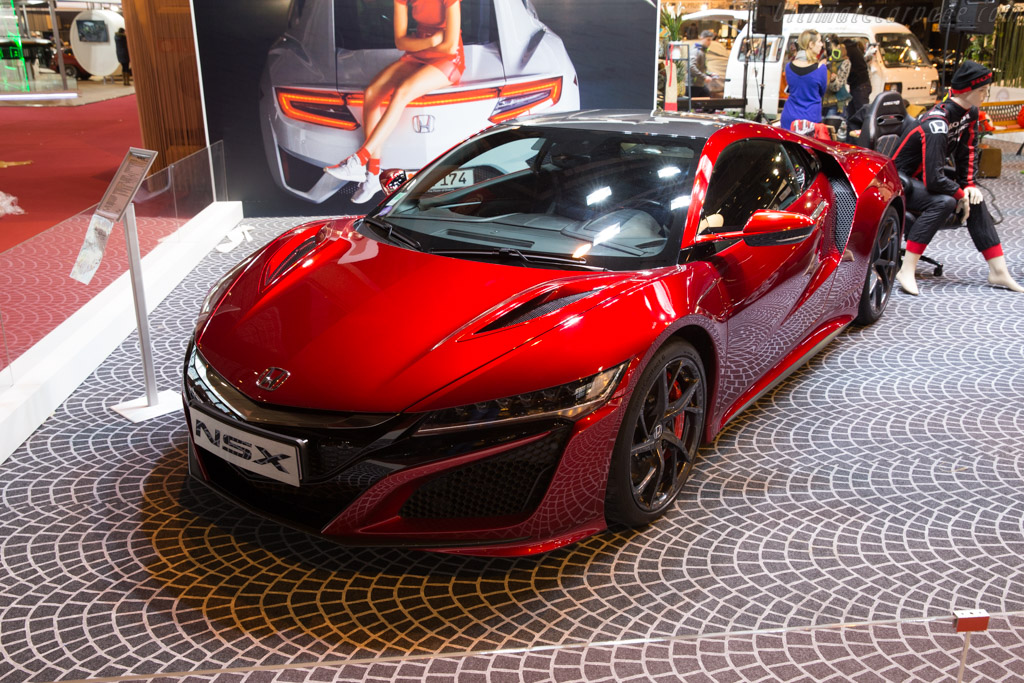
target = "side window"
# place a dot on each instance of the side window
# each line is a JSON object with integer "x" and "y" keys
{"x": 751, "y": 175}
{"x": 791, "y": 48}
{"x": 752, "y": 49}
{"x": 805, "y": 167}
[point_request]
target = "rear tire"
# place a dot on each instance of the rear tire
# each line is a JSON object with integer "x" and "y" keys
{"x": 882, "y": 267}
{"x": 657, "y": 443}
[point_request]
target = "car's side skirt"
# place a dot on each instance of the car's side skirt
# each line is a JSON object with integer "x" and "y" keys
{"x": 793, "y": 362}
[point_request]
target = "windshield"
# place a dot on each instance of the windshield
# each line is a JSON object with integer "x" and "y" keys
{"x": 901, "y": 49}
{"x": 597, "y": 199}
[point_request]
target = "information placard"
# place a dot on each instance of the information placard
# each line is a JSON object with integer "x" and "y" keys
{"x": 126, "y": 183}
{"x": 116, "y": 200}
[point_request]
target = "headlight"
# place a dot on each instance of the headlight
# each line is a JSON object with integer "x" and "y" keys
{"x": 898, "y": 87}
{"x": 569, "y": 401}
{"x": 933, "y": 89}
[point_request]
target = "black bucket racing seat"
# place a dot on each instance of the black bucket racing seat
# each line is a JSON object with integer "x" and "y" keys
{"x": 884, "y": 121}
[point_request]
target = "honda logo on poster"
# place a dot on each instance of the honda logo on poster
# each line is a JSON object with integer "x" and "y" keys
{"x": 423, "y": 123}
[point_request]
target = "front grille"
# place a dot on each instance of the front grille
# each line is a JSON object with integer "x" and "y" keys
{"x": 333, "y": 440}
{"x": 510, "y": 483}
{"x": 328, "y": 455}
{"x": 337, "y": 466}
{"x": 329, "y": 452}
{"x": 309, "y": 506}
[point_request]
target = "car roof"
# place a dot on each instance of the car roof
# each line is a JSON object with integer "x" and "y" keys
{"x": 634, "y": 121}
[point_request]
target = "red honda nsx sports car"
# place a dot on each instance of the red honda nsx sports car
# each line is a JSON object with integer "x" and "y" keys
{"x": 532, "y": 337}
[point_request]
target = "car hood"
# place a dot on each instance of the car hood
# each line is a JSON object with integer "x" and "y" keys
{"x": 365, "y": 326}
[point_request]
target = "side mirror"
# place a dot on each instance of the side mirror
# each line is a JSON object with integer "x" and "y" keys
{"x": 781, "y": 223}
{"x": 392, "y": 179}
{"x": 768, "y": 228}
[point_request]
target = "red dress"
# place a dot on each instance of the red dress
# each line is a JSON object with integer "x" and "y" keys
{"x": 429, "y": 16}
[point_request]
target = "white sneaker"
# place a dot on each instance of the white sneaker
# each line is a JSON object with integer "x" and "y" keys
{"x": 350, "y": 169}
{"x": 369, "y": 187}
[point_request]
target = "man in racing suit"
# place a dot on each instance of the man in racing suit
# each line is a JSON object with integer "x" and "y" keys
{"x": 950, "y": 128}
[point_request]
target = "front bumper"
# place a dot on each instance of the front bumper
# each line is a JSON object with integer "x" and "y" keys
{"x": 372, "y": 480}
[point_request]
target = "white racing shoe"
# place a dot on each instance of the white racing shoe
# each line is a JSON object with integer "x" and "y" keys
{"x": 350, "y": 169}
{"x": 369, "y": 187}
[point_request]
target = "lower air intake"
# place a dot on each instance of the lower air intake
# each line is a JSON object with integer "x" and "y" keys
{"x": 511, "y": 483}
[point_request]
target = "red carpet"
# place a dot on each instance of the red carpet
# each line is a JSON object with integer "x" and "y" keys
{"x": 74, "y": 151}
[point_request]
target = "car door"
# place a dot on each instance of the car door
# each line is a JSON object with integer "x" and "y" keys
{"x": 768, "y": 287}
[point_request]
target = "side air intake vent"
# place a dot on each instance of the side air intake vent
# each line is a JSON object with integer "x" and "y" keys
{"x": 846, "y": 205}
{"x": 535, "y": 308}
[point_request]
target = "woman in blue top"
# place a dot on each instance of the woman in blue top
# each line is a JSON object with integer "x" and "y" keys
{"x": 807, "y": 80}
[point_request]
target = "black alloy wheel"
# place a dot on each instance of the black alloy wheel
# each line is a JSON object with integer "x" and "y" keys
{"x": 885, "y": 261}
{"x": 657, "y": 443}
{"x": 71, "y": 71}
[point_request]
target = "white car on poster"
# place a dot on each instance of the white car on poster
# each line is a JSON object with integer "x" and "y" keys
{"x": 311, "y": 92}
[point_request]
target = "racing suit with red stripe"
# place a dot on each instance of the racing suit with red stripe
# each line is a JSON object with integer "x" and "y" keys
{"x": 945, "y": 131}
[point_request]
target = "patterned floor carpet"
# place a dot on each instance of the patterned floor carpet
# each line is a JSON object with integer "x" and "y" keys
{"x": 827, "y": 535}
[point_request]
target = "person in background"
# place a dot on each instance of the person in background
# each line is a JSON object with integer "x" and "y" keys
{"x": 949, "y": 129}
{"x": 716, "y": 58}
{"x": 699, "y": 75}
{"x": 433, "y": 58}
{"x": 806, "y": 80}
{"x": 859, "y": 80}
{"x": 837, "y": 95}
{"x": 121, "y": 48}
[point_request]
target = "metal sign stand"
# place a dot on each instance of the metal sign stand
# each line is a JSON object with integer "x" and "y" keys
{"x": 115, "y": 205}
{"x": 154, "y": 403}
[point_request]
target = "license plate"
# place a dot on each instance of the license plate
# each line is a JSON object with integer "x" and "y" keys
{"x": 278, "y": 460}
{"x": 455, "y": 179}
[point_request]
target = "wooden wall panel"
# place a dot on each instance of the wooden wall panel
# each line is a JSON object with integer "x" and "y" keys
{"x": 166, "y": 73}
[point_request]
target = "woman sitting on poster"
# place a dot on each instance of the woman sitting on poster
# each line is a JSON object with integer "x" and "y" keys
{"x": 433, "y": 59}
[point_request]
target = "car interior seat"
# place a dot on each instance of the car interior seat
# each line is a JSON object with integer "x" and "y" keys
{"x": 882, "y": 129}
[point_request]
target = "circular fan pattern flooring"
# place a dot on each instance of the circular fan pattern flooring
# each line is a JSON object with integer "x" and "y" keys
{"x": 826, "y": 535}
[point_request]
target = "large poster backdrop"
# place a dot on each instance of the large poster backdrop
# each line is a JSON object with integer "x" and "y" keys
{"x": 283, "y": 83}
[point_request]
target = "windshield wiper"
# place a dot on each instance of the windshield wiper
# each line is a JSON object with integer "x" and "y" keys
{"x": 391, "y": 233}
{"x": 531, "y": 258}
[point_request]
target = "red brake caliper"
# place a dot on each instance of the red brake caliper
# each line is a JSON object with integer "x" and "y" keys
{"x": 680, "y": 420}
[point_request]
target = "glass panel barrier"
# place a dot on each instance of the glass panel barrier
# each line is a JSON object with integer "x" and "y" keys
{"x": 37, "y": 293}
{"x": 6, "y": 378}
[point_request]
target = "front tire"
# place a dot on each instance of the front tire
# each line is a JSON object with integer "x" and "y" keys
{"x": 657, "y": 443}
{"x": 885, "y": 261}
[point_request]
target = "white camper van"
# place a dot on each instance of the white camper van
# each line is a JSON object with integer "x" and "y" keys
{"x": 899, "y": 61}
